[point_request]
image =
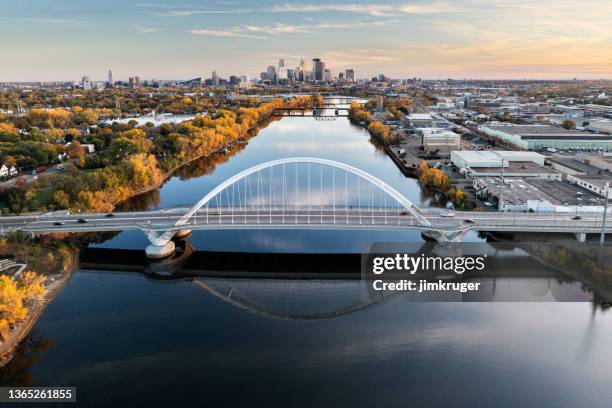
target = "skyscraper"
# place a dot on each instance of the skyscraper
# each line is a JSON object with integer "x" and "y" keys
{"x": 350, "y": 75}
{"x": 215, "y": 78}
{"x": 318, "y": 68}
{"x": 111, "y": 82}
{"x": 271, "y": 73}
{"x": 86, "y": 83}
{"x": 328, "y": 75}
{"x": 281, "y": 62}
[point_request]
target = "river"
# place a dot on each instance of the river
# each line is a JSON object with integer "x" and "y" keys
{"x": 123, "y": 338}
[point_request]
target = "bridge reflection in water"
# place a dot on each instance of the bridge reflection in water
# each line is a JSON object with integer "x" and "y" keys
{"x": 323, "y": 286}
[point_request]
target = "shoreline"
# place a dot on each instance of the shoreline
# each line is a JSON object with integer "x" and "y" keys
{"x": 7, "y": 347}
{"x": 167, "y": 175}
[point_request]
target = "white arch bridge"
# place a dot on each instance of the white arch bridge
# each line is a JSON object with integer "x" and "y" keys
{"x": 301, "y": 193}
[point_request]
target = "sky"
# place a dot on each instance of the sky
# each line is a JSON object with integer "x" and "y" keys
{"x": 44, "y": 40}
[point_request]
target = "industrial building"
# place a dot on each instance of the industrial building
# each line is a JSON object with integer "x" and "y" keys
{"x": 539, "y": 137}
{"x": 535, "y": 195}
{"x": 420, "y": 120}
{"x": 440, "y": 141}
{"x": 478, "y": 163}
{"x": 598, "y": 184}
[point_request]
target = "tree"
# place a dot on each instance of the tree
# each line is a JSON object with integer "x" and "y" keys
{"x": 16, "y": 296}
{"x": 568, "y": 124}
{"x": 75, "y": 150}
{"x": 380, "y": 131}
{"x": 61, "y": 199}
{"x": 8, "y": 133}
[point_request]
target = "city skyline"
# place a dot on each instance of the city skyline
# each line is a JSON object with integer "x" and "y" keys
{"x": 62, "y": 40}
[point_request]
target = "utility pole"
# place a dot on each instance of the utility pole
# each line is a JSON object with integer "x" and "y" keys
{"x": 602, "y": 237}
{"x": 501, "y": 188}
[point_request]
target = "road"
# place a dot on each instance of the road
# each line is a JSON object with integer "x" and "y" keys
{"x": 315, "y": 218}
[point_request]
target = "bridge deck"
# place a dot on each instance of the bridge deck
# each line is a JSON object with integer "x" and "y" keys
{"x": 303, "y": 218}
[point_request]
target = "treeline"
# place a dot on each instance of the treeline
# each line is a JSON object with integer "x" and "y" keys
{"x": 118, "y": 102}
{"x": 437, "y": 180}
{"x": 132, "y": 160}
{"x": 17, "y": 296}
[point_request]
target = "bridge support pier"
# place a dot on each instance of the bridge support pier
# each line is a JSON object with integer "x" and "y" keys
{"x": 581, "y": 236}
{"x": 160, "y": 251}
{"x": 182, "y": 233}
{"x": 446, "y": 236}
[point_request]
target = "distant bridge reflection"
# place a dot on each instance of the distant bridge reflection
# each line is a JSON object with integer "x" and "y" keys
{"x": 323, "y": 286}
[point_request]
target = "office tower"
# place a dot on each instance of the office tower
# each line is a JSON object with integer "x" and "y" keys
{"x": 86, "y": 83}
{"x": 328, "y": 75}
{"x": 271, "y": 73}
{"x": 111, "y": 82}
{"x": 318, "y": 68}
{"x": 244, "y": 78}
{"x": 215, "y": 78}
{"x": 350, "y": 75}
{"x": 281, "y": 62}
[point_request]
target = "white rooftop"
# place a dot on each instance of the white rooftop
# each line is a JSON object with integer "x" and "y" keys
{"x": 419, "y": 116}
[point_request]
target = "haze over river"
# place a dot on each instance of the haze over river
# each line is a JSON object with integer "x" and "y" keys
{"x": 262, "y": 342}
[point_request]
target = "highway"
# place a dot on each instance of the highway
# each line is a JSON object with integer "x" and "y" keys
{"x": 300, "y": 218}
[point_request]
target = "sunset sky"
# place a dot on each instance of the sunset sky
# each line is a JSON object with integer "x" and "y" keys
{"x": 66, "y": 39}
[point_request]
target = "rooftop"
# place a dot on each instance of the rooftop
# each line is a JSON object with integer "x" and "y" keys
{"x": 574, "y": 164}
{"x": 419, "y": 116}
{"x": 543, "y": 132}
{"x": 517, "y": 191}
{"x": 567, "y": 193}
{"x": 598, "y": 180}
{"x": 519, "y": 167}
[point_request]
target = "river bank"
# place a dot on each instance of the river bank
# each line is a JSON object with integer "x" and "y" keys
{"x": 261, "y": 124}
{"x": 54, "y": 286}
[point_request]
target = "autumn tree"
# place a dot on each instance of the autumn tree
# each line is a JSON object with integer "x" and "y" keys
{"x": 16, "y": 296}
{"x": 380, "y": 131}
{"x": 75, "y": 150}
{"x": 568, "y": 124}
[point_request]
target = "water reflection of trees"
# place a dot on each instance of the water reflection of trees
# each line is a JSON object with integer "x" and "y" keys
{"x": 586, "y": 262}
{"x": 197, "y": 168}
{"x": 18, "y": 371}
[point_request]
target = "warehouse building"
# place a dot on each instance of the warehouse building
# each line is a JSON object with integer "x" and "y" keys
{"x": 539, "y": 137}
{"x": 440, "y": 141}
{"x": 534, "y": 195}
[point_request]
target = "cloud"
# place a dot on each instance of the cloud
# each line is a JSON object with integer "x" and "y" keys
{"x": 371, "y": 9}
{"x": 193, "y": 12}
{"x": 42, "y": 20}
{"x": 277, "y": 28}
{"x": 224, "y": 33}
{"x": 146, "y": 30}
{"x": 378, "y": 10}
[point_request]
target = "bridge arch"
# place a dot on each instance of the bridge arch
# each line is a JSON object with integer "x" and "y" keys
{"x": 400, "y": 198}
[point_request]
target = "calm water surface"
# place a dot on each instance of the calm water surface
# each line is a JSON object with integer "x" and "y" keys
{"x": 122, "y": 338}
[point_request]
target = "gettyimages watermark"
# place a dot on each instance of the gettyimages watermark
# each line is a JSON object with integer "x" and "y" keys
{"x": 410, "y": 264}
{"x": 485, "y": 272}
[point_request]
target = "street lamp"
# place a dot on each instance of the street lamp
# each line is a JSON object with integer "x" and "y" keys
{"x": 602, "y": 237}
{"x": 501, "y": 188}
